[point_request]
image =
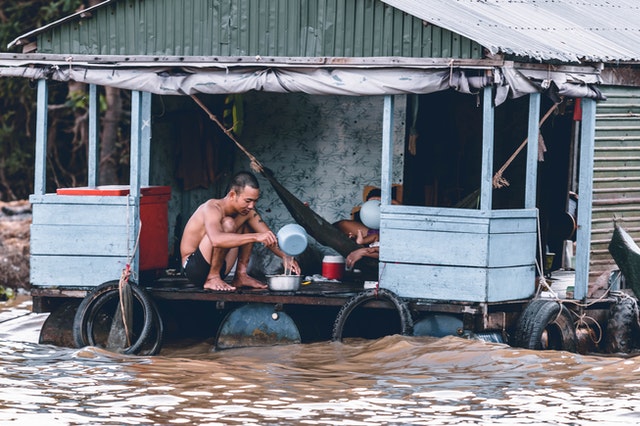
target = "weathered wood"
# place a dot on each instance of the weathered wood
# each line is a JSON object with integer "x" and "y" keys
{"x": 532, "y": 151}
{"x": 65, "y": 213}
{"x": 458, "y": 283}
{"x": 506, "y": 238}
{"x": 81, "y": 240}
{"x": 583, "y": 233}
{"x": 42, "y": 119}
{"x": 145, "y": 61}
{"x": 486, "y": 180}
{"x": 85, "y": 240}
{"x": 453, "y": 254}
{"x": 75, "y": 271}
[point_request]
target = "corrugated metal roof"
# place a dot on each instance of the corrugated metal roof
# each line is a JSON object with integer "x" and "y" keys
{"x": 564, "y": 30}
{"x": 274, "y": 28}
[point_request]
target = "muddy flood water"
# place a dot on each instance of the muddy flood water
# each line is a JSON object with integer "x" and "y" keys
{"x": 393, "y": 380}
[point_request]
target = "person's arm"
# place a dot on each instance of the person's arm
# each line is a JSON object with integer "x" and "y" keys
{"x": 356, "y": 255}
{"x": 222, "y": 239}
{"x": 257, "y": 224}
{"x": 363, "y": 239}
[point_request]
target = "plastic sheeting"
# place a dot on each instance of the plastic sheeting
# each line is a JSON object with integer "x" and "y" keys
{"x": 510, "y": 82}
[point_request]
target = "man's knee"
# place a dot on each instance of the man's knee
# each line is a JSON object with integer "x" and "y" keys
{"x": 228, "y": 225}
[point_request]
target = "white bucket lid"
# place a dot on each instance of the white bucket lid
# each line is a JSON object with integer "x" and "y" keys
{"x": 333, "y": 259}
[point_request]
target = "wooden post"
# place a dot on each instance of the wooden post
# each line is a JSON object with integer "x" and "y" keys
{"x": 585, "y": 191}
{"x": 486, "y": 184}
{"x": 92, "y": 155}
{"x": 40, "y": 166}
{"x": 134, "y": 182}
{"x": 532, "y": 151}
{"x": 145, "y": 139}
{"x": 387, "y": 150}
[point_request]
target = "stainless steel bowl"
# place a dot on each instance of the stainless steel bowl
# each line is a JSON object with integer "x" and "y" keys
{"x": 284, "y": 282}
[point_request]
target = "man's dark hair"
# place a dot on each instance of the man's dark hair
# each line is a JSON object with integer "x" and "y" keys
{"x": 242, "y": 179}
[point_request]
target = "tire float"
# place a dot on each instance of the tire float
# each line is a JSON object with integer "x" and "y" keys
{"x": 95, "y": 322}
{"x": 546, "y": 324}
{"x": 372, "y": 295}
{"x": 623, "y": 329}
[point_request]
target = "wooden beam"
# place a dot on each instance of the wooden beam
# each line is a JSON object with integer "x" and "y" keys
{"x": 134, "y": 182}
{"x": 145, "y": 139}
{"x": 532, "y": 151}
{"x": 40, "y": 166}
{"x": 134, "y": 61}
{"x": 486, "y": 184}
{"x": 585, "y": 191}
{"x": 387, "y": 150}
{"x": 92, "y": 155}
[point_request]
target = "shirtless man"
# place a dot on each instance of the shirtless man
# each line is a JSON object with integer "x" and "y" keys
{"x": 221, "y": 231}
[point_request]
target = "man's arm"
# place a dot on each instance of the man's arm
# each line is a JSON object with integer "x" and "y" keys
{"x": 219, "y": 238}
{"x": 257, "y": 224}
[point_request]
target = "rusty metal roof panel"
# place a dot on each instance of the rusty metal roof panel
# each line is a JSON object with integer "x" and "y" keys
{"x": 564, "y": 30}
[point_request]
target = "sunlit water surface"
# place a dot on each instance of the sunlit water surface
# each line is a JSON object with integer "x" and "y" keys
{"x": 393, "y": 380}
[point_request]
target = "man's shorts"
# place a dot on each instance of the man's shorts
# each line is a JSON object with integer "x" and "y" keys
{"x": 196, "y": 268}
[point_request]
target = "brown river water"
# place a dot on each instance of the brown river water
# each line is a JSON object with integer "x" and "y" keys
{"x": 393, "y": 380}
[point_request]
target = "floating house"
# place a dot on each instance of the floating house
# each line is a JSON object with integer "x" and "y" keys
{"x": 511, "y": 130}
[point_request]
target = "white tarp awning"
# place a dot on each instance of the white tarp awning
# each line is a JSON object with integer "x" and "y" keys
{"x": 509, "y": 81}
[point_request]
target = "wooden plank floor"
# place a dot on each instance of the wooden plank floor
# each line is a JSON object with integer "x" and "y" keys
{"x": 315, "y": 293}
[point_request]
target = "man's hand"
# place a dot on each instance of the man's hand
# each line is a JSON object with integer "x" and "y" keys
{"x": 267, "y": 238}
{"x": 291, "y": 264}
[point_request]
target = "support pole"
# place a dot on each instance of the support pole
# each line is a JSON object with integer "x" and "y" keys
{"x": 145, "y": 139}
{"x": 387, "y": 150}
{"x": 92, "y": 155}
{"x": 585, "y": 191}
{"x": 486, "y": 184}
{"x": 134, "y": 181}
{"x": 532, "y": 151}
{"x": 40, "y": 166}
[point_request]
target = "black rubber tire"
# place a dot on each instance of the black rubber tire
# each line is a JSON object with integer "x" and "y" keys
{"x": 622, "y": 327}
{"x": 89, "y": 310}
{"x": 546, "y": 324}
{"x": 155, "y": 339}
{"x": 406, "y": 319}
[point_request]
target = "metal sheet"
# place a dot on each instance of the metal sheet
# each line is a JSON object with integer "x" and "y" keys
{"x": 616, "y": 182}
{"x": 308, "y": 28}
{"x": 593, "y": 30}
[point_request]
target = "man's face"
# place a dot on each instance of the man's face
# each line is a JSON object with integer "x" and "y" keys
{"x": 245, "y": 200}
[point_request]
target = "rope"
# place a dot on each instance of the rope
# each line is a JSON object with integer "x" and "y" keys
{"x": 124, "y": 281}
{"x": 125, "y": 275}
{"x": 581, "y": 321}
{"x": 255, "y": 164}
{"x": 498, "y": 180}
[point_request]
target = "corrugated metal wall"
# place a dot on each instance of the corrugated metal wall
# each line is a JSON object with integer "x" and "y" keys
{"x": 288, "y": 28}
{"x": 616, "y": 173}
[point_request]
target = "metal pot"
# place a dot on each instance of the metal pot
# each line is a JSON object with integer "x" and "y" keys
{"x": 284, "y": 282}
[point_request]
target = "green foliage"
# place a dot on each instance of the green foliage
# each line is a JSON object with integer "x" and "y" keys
{"x": 18, "y": 95}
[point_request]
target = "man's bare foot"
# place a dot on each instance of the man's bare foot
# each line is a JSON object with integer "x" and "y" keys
{"x": 217, "y": 284}
{"x": 244, "y": 280}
